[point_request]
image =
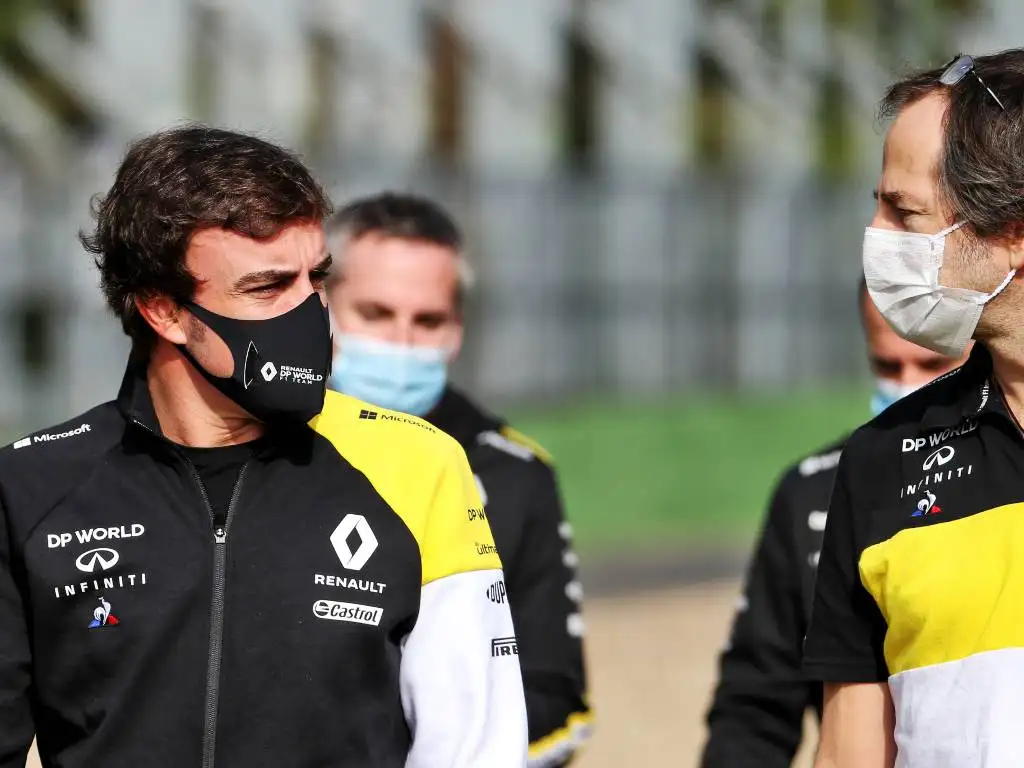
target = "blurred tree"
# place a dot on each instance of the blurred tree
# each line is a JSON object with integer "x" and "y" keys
{"x": 67, "y": 107}
{"x": 711, "y": 113}
{"x": 450, "y": 57}
{"x": 11, "y": 14}
{"x": 836, "y": 150}
{"x": 899, "y": 33}
{"x": 580, "y": 115}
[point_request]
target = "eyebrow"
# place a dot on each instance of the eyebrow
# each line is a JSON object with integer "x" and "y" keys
{"x": 898, "y": 199}
{"x": 271, "y": 276}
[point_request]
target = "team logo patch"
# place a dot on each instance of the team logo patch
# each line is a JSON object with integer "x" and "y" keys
{"x": 102, "y": 558}
{"x": 103, "y": 617}
{"x": 365, "y": 542}
{"x": 927, "y": 506}
{"x": 351, "y": 612}
{"x": 504, "y": 646}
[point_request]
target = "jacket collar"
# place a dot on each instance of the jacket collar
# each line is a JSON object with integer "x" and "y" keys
{"x": 457, "y": 415}
{"x": 133, "y": 398}
{"x": 974, "y": 395}
{"x": 136, "y": 405}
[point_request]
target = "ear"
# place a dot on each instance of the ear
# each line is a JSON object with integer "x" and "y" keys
{"x": 455, "y": 344}
{"x": 1013, "y": 241}
{"x": 165, "y": 316}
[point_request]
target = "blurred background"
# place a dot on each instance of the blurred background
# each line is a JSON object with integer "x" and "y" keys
{"x": 665, "y": 200}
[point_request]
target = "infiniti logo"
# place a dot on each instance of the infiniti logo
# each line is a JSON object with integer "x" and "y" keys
{"x": 939, "y": 458}
{"x": 103, "y": 557}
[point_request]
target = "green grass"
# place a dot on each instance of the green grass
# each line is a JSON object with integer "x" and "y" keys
{"x": 693, "y": 471}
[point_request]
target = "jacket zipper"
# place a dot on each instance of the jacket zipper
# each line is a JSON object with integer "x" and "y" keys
{"x": 216, "y": 648}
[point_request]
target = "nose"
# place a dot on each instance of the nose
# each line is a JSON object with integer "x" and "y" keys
{"x": 879, "y": 220}
{"x": 913, "y": 376}
{"x": 403, "y": 333}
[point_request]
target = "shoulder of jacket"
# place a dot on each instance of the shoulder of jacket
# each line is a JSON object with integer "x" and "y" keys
{"x": 384, "y": 443}
{"x": 822, "y": 460}
{"x": 343, "y": 415}
{"x": 39, "y": 469}
{"x": 514, "y": 443}
{"x": 89, "y": 433}
{"x": 423, "y": 475}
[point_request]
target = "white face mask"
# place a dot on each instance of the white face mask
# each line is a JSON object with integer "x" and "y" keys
{"x": 902, "y": 274}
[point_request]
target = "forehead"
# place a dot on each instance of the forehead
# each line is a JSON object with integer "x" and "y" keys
{"x": 913, "y": 148}
{"x": 220, "y": 253}
{"x": 392, "y": 269}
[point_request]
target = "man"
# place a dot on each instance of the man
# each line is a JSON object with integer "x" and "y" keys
{"x": 191, "y": 575}
{"x": 917, "y": 627}
{"x": 756, "y": 716}
{"x": 396, "y": 298}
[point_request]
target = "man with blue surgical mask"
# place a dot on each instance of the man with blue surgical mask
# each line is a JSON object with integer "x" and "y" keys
{"x": 757, "y": 714}
{"x": 396, "y": 296}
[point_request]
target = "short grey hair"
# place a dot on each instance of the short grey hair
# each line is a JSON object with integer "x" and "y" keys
{"x": 403, "y": 216}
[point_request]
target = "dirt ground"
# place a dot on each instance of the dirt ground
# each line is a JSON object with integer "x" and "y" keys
{"x": 652, "y": 661}
{"x": 652, "y": 665}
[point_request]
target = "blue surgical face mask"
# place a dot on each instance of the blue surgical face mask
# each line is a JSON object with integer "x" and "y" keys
{"x": 394, "y": 376}
{"x": 888, "y": 392}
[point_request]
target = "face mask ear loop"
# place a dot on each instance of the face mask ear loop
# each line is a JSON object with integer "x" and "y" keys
{"x": 1002, "y": 286}
{"x": 333, "y": 323}
{"x": 951, "y": 229}
{"x": 938, "y": 237}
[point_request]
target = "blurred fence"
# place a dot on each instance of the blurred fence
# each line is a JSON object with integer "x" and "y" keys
{"x": 588, "y": 285}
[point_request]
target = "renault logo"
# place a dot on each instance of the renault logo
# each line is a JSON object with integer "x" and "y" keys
{"x": 367, "y": 542}
{"x": 103, "y": 558}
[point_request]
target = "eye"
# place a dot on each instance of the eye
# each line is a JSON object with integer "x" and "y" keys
{"x": 266, "y": 290}
{"x": 372, "y": 312}
{"x": 318, "y": 277}
{"x": 432, "y": 322}
{"x": 887, "y": 368}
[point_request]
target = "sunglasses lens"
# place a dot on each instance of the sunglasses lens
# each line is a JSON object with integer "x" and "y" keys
{"x": 956, "y": 71}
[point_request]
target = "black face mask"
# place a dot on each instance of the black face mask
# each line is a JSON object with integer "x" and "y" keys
{"x": 281, "y": 364}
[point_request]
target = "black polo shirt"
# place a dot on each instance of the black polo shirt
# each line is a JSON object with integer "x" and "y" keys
{"x": 921, "y": 576}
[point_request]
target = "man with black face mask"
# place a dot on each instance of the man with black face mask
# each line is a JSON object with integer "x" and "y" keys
{"x": 229, "y": 565}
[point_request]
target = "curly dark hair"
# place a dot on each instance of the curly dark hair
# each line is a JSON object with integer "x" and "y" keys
{"x": 176, "y": 183}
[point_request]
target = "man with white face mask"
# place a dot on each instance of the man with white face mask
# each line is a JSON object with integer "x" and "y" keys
{"x": 917, "y": 630}
{"x": 396, "y": 298}
{"x": 757, "y": 713}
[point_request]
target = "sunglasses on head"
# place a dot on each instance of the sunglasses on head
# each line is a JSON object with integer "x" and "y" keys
{"x": 962, "y": 65}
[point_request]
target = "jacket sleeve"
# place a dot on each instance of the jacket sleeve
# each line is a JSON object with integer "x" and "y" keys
{"x": 546, "y": 600}
{"x": 756, "y": 715}
{"x": 460, "y": 680}
{"x": 846, "y": 638}
{"x": 16, "y": 727}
